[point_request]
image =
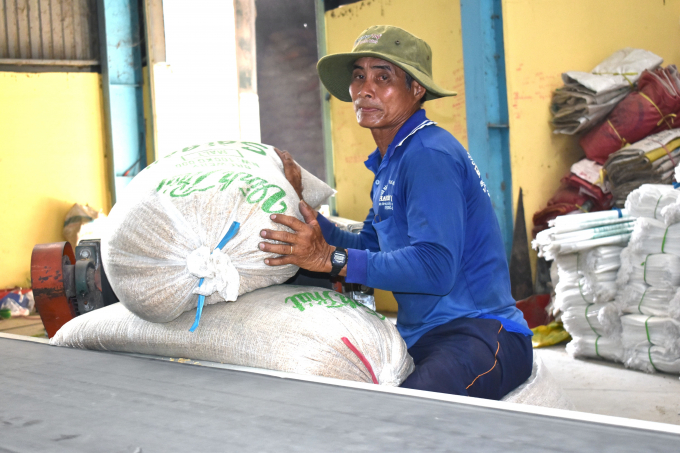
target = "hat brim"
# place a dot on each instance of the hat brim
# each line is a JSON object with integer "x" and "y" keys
{"x": 335, "y": 72}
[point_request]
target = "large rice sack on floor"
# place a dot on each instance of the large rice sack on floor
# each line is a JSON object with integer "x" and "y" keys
{"x": 164, "y": 230}
{"x": 298, "y": 329}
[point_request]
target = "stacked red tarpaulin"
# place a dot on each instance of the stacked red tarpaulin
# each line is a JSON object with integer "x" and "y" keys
{"x": 575, "y": 194}
{"x": 653, "y": 107}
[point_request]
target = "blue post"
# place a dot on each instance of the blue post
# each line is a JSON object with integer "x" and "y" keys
{"x": 121, "y": 65}
{"x": 487, "y": 105}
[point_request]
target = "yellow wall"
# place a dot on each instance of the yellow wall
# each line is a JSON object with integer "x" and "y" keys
{"x": 52, "y": 154}
{"x": 438, "y": 23}
{"x": 544, "y": 38}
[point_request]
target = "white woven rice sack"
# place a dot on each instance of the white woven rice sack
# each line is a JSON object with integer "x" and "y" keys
{"x": 288, "y": 328}
{"x": 596, "y": 347}
{"x": 601, "y": 319}
{"x": 163, "y": 231}
{"x": 541, "y": 389}
{"x": 659, "y": 269}
{"x": 655, "y": 201}
{"x": 638, "y": 298}
{"x": 655, "y": 330}
{"x": 650, "y": 358}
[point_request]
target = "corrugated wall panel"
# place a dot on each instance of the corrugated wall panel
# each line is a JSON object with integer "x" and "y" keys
{"x": 12, "y": 34}
{"x": 3, "y": 30}
{"x": 48, "y": 30}
{"x": 46, "y": 44}
{"x": 34, "y": 28}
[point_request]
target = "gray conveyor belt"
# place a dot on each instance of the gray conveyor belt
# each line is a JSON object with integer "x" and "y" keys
{"x": 58, "y": 399}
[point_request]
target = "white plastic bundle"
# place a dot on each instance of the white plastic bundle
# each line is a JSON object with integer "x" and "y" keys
{"x": 656, "y": 201}
{"x": 189, "y": 225}
{"x": 569, "y": 293}
{"x": 650, "y": 358}
{"x": 660, "y": 269}
{"x": 653, "y": 236}
{"x": 655, "y": 330}
{"x": 596, "y": 347}
{"x": 638, "y": 298}
{"x": 592, "y": 320}
{"x": 549, "y": 244}
{"x": 674, "y": 306}
{"x": 303, "y": 330}
{"x": 586, "y": 277}
{"x": 603, "y": 259}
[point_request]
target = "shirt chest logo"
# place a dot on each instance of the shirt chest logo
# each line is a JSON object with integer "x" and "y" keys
{"x": 386, "y": 197}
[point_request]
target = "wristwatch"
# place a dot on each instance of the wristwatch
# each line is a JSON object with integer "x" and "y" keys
{"x": 338, "y": 261}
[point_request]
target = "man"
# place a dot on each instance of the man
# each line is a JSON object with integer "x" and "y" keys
{"x": 431, "y": 237}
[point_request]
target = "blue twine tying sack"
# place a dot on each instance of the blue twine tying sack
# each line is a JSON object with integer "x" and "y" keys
{"x": 617, "y": 210}
{"x": 233, "y": 229}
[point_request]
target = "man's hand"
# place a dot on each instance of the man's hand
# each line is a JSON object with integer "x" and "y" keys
{"x": 305, "y": 248}
{"x": 291, "y": 170}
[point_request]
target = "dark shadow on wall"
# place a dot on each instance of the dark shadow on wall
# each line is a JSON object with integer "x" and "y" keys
{"x": 332, "y": 4}
{"x": 287, "y": 82}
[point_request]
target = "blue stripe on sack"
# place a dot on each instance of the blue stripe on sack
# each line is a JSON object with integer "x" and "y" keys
{"x": 233, "y": 229}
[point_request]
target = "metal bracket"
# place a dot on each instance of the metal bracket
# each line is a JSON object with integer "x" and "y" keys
{"x": 88, "y": 294}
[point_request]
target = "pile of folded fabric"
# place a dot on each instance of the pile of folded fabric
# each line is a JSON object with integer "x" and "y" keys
{"x": 648, "y": 282}
{"x": 653, "y": 107}
{"x": 650, "y": 161}
{"x": 586, "y": 250}
{"x": 582, "y": 190}
{"x": 588, "y": 97}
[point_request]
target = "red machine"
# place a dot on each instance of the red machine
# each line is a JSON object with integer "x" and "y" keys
{"x": 67, "y": 284}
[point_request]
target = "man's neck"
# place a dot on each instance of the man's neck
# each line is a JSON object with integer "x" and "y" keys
{"x": 384, "y": 136}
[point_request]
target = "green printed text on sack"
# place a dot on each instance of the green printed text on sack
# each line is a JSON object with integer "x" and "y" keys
{"x": 255, "y": 189}
{"x": 324, "y": 299}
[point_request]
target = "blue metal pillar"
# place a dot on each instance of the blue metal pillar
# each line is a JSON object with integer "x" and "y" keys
{"x": 121, "y": 65}
{"x": 487, "y": 105}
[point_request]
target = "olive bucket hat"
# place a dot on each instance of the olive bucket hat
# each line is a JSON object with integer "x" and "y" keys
{"x": 386, "y": 42}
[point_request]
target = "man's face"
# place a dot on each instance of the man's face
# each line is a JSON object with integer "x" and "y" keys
{"x": 380, "y": 95}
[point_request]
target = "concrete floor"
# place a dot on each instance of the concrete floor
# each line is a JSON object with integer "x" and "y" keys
{"x": 594, "y": 386}
{"x": 606, "y": 388}
{"x": 30, "y": 326}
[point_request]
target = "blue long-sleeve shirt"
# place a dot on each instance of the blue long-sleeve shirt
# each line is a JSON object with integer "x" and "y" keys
{"x": 431, "y": 236}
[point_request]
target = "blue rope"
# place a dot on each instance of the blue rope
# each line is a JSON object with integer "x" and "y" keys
{"x": 676, "y": 185}
{"x": 617, "y": 210}
{"x": 233, "y": 229}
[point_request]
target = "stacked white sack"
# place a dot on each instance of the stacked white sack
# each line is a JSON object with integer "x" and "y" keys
{"x": 586, "y": 249}
{"x": 655, "y": 201}
{"x": 587, "y": 277}
{"x": 584, "y": 295}
{"x": 649, "y": 282}
{"x": 584, "y": 290}
{"x": 161, "y": 251}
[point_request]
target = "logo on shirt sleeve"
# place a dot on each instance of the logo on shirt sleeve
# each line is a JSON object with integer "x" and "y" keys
{"x": 482, "y": 184}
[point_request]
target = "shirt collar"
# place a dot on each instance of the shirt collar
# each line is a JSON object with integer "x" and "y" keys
{"x": 416, "y": 122}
